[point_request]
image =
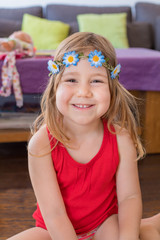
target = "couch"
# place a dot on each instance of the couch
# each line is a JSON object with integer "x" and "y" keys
{"x": 139, "y": 62}
{"x": 139, "y": 33}
{"x": 139, "y": 36}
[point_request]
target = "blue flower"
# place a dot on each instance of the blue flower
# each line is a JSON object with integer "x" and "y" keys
{"x": 70, "y": 58}
{"x": 53, "y": 67}
{"x": 96, "y": 58}
{"x": 116, "y": 71}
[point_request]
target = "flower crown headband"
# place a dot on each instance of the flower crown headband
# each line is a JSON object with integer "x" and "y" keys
{"x": 72, "y": 58}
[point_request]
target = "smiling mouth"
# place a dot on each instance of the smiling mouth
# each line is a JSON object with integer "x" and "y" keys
{"x": 82, "y": 106}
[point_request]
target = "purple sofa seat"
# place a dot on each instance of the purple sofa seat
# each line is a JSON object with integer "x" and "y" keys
{"x": 140, "y": 71}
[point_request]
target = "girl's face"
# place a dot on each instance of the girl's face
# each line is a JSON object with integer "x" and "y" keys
{"x": 83, "y": 95}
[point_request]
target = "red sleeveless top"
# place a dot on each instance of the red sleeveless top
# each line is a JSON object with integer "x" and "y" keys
{"x": 88, "y": 190}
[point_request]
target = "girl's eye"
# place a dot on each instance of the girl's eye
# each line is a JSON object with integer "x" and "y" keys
{"x": 71, "y": 80}
{"x": 97, "y": 81}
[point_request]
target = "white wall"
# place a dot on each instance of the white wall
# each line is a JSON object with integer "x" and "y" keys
{"x": 23, "y": 3}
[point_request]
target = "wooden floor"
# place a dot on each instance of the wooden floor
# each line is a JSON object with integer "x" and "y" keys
{"x": 17, "y": 201}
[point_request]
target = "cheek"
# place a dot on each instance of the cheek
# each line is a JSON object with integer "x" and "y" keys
{"x": 61, "y": 97}
{"x": 105, "y": 100}
{"x": 105, "y": 97}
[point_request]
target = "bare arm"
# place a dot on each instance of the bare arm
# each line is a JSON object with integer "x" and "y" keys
{"x": 46, "y": 188}
{"x": 128, "y": 189}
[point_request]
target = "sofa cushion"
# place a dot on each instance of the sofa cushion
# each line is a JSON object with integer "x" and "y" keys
{"x": 46, "y": 34}
{"x": 139, "y": 34}
{"x": 112, "y": 26}
{"x": 7, "y": 27}
{"x": 11, "y": 18}
{"x": 17, "y": 13}
{"x": 148, "y": 12}
{"x": 157, "y": 33}
{"x": 68, "y": 13}
{"x": 73, "y": 27}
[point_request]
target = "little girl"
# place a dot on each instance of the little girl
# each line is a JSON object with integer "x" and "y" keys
{"x": 83, "y": 154}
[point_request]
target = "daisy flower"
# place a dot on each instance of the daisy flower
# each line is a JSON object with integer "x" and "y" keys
{"x": 96, "y": 58}
{"x": 53, "y": 67}
{"x": 116, "y": 71}
{"x": 70, "y": 58}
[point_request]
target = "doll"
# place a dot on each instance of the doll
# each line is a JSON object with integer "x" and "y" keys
{"x": 19, "y": 40}
{"x": 17, "y": 45}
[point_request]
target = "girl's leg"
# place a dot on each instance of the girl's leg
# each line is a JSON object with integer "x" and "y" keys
{"x": 35, "y": 233}
{"x": 150, "y": 228}
{"x": 108, "y": 229}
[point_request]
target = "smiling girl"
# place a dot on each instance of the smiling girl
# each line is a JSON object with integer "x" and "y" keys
{"x": 83, "y": 154}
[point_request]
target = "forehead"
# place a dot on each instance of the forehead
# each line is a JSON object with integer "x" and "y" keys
{"x": 84, "y": 67}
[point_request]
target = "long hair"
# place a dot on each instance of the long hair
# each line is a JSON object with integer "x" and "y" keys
{"x": 123, "y": 109}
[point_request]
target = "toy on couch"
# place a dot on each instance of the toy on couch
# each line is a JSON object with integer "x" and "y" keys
{"x": 19, "y": 41}
{"x": 17, "y": 45}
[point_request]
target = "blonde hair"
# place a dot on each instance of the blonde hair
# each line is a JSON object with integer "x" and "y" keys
{"x": 123, "y": 109}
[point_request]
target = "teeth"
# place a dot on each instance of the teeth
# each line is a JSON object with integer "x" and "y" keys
{"x": 82, "y": 106}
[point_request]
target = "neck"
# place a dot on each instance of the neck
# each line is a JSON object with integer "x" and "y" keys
{"x": 78, "y": 133}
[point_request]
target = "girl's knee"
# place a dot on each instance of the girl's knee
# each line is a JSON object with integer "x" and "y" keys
{"x": 148, "y": 231}
{"x": 35, "y": 233}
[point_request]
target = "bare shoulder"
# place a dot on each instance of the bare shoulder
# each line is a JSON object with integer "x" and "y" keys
{"x": 125, "y": 143}
{"x": 122, "y": 134}
{"x": 39, "y": 142}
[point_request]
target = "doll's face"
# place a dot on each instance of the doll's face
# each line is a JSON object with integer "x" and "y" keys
{"x": 25, "y": 37}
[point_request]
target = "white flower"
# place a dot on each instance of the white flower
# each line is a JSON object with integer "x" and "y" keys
{"x": 53, "y": 67}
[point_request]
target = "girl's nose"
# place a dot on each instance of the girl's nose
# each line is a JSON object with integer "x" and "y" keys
{"x": 84, "y": 90}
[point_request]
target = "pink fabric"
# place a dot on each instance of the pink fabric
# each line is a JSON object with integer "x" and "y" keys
{"x": 9, "y": 74}
{"x": 88, "y": 236}
{"x": 10, "y": 77}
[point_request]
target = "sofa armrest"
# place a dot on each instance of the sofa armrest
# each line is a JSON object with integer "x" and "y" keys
{"x": 157, "y": 33}
{"x": 148, "y": 12}
{"x": 140, "y": 34}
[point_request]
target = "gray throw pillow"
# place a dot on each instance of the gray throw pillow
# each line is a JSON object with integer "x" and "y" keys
{"x": 139, "y": 35}
{"x": 73, "y": 27}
